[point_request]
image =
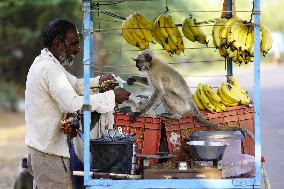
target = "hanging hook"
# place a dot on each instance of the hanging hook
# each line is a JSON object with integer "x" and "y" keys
{"x": 167, "y": 8}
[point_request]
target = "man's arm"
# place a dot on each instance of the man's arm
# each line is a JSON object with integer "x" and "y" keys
{"x": 66, "y": 97}
{"x": 78, "y": 84}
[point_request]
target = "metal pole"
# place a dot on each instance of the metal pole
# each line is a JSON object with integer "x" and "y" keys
{"x": 229, "y": 60}
{"x": 257, "y": 90}
{"x": 87, "y": 28}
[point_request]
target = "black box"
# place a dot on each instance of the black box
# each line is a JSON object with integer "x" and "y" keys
{"x": 112, "y": 157}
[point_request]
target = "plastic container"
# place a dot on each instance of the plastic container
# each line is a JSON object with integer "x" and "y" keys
{"x": 113, "y": 157}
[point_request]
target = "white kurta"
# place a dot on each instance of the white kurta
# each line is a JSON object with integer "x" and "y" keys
{"x": 50, "y": 92}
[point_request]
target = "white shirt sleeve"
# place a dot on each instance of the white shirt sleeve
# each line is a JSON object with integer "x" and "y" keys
{"x": 78, "y": 84}
{"x": 67, "y": 99}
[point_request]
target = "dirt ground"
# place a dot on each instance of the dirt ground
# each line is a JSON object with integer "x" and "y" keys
{"x": 12, "y": 147}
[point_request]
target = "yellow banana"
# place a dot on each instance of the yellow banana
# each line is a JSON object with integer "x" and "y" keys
{"x": 244, "y": 99}
{"x": 134, "y": 25}
{"x": 223, "y": 52}
{"x": 197, "y": 102}
{"x": 187, "y": 31}
{"x": 218, "y": 105}
{"x": 225, "y": 29}
{"x": 128, "y": 26}
{"x": 266, "y": 39}
{"x": 229, "y": 94}
{"x": 216, "y": 32}
{"x": 126, "y": 34}
{"x": 143, "y": 24}
{"x": 211, "y": 93}
{"x": 205, "y": 101}
{"x": 160, "y": 24}
{"x": 170, "y": 28}
{"x": 225, "y": 100}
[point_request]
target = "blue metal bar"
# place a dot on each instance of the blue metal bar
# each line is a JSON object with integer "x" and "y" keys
{"x": 257, "y": 91}
{"x": 229, "y": 60}
{"x": 172, "y": 183}
{"x": 87, "y": 26}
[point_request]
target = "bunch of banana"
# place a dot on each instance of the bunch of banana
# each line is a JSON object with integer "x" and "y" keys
{"x": 206, "y": 98}
{"x": 232, "y": 94}
{"x": 166, "y": 33}
{"x": 234, "y": 38}
{"x": 266, "y": 40}
{"x": 136, "y": 32}
{"x": 192, "y": 31}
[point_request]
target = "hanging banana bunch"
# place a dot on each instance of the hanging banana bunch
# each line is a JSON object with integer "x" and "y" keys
{"x": 234, "y": 38}
{"x": 166, "y": 33}
{"x": 136, "y": 32}
{"x": 192, "y": 31}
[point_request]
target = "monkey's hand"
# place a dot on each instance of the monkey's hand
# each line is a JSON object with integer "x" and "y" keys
{"x": 134, "y": 116}
{"x": 131, "y": 81}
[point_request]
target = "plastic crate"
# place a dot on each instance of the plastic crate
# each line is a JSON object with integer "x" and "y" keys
{"x": 147, "y": 130}
{"x": 177, "y": 131}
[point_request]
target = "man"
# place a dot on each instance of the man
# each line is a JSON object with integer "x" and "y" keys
{"x": 50, "y": 92}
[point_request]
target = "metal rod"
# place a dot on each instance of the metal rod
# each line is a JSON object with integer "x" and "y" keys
{"x": 87, "y": 57}
{"x": 257, "y": 93}
{"x": 229, "y": 60}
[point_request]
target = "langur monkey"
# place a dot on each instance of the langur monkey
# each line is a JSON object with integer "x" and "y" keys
{"x": 172, "y": 89}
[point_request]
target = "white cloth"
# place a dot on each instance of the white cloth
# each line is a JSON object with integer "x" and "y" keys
{"x": 50, "y": 92}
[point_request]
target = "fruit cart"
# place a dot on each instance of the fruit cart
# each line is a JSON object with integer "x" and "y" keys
{"x": 88, "y": 60}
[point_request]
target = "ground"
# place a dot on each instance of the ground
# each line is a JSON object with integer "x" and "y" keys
{"x": 12, "y": 147}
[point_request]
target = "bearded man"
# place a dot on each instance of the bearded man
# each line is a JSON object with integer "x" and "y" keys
{"x": 50, "y": 92}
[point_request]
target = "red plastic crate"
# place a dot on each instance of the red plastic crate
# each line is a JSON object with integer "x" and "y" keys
{"x": 147, "y": 130}
{"x": 177, "y": 131}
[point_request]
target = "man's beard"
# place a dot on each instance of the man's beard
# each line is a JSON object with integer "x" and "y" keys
{"x": 64, "y": 59}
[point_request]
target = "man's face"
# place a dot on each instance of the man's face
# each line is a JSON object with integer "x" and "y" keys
{"x": 69, "y": 48}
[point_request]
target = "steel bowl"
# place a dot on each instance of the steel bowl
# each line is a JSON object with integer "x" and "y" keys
{"x": 207, "y": 150}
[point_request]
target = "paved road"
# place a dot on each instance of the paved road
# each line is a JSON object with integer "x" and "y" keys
{"x": 272, "y": 117}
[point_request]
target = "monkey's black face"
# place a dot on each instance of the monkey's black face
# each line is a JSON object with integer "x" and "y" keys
{"x": 143, "y": 62}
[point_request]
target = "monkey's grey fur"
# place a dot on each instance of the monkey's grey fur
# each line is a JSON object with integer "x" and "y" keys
{"x": 172, "y": 89}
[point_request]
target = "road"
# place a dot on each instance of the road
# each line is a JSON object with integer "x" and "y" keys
{"x": 272, "y": 117}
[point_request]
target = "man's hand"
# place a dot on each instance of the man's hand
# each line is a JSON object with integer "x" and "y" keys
{"x": 106, "y": 77}
{"x": 107, "y": 82}
{"x": 121, "y": 95}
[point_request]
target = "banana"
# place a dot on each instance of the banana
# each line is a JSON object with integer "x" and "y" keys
{"x": 235, "y": 83}
{"x": 127, "y": 35}
{"x": 197, "y": 102}
{"x": 266, "y": 40}
{"x": 241, "y": 42}
{"x": 143, "y": 24}
{"x": 249, "y": 39}
{"x": 132, "y": 31}
{"x": 225, "y": 100}
{"x": 134, "y": 25}
{"x": 211, "y": 93}
{"x": 160, "y": 25}
{"x": 205, "y": 101}
{"x": 233, "y": 33}
{"x": 225, "y": 89}
{"x": 216, "y": 32}
{"x": 218, "y": 105}
{"x": 201, "y": 38}
{"x": 186, "y": 29}
{"x": 225, "y": 29}
{"x": 170, "y": 28}
{"x": 223, "y": 52}
{"x": 244, "y": 99}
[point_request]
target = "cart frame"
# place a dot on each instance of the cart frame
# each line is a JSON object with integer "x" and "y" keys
{"x": 88, "y": 61}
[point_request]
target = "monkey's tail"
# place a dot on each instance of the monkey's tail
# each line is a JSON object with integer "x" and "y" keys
{"x": 201, "y": 118}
